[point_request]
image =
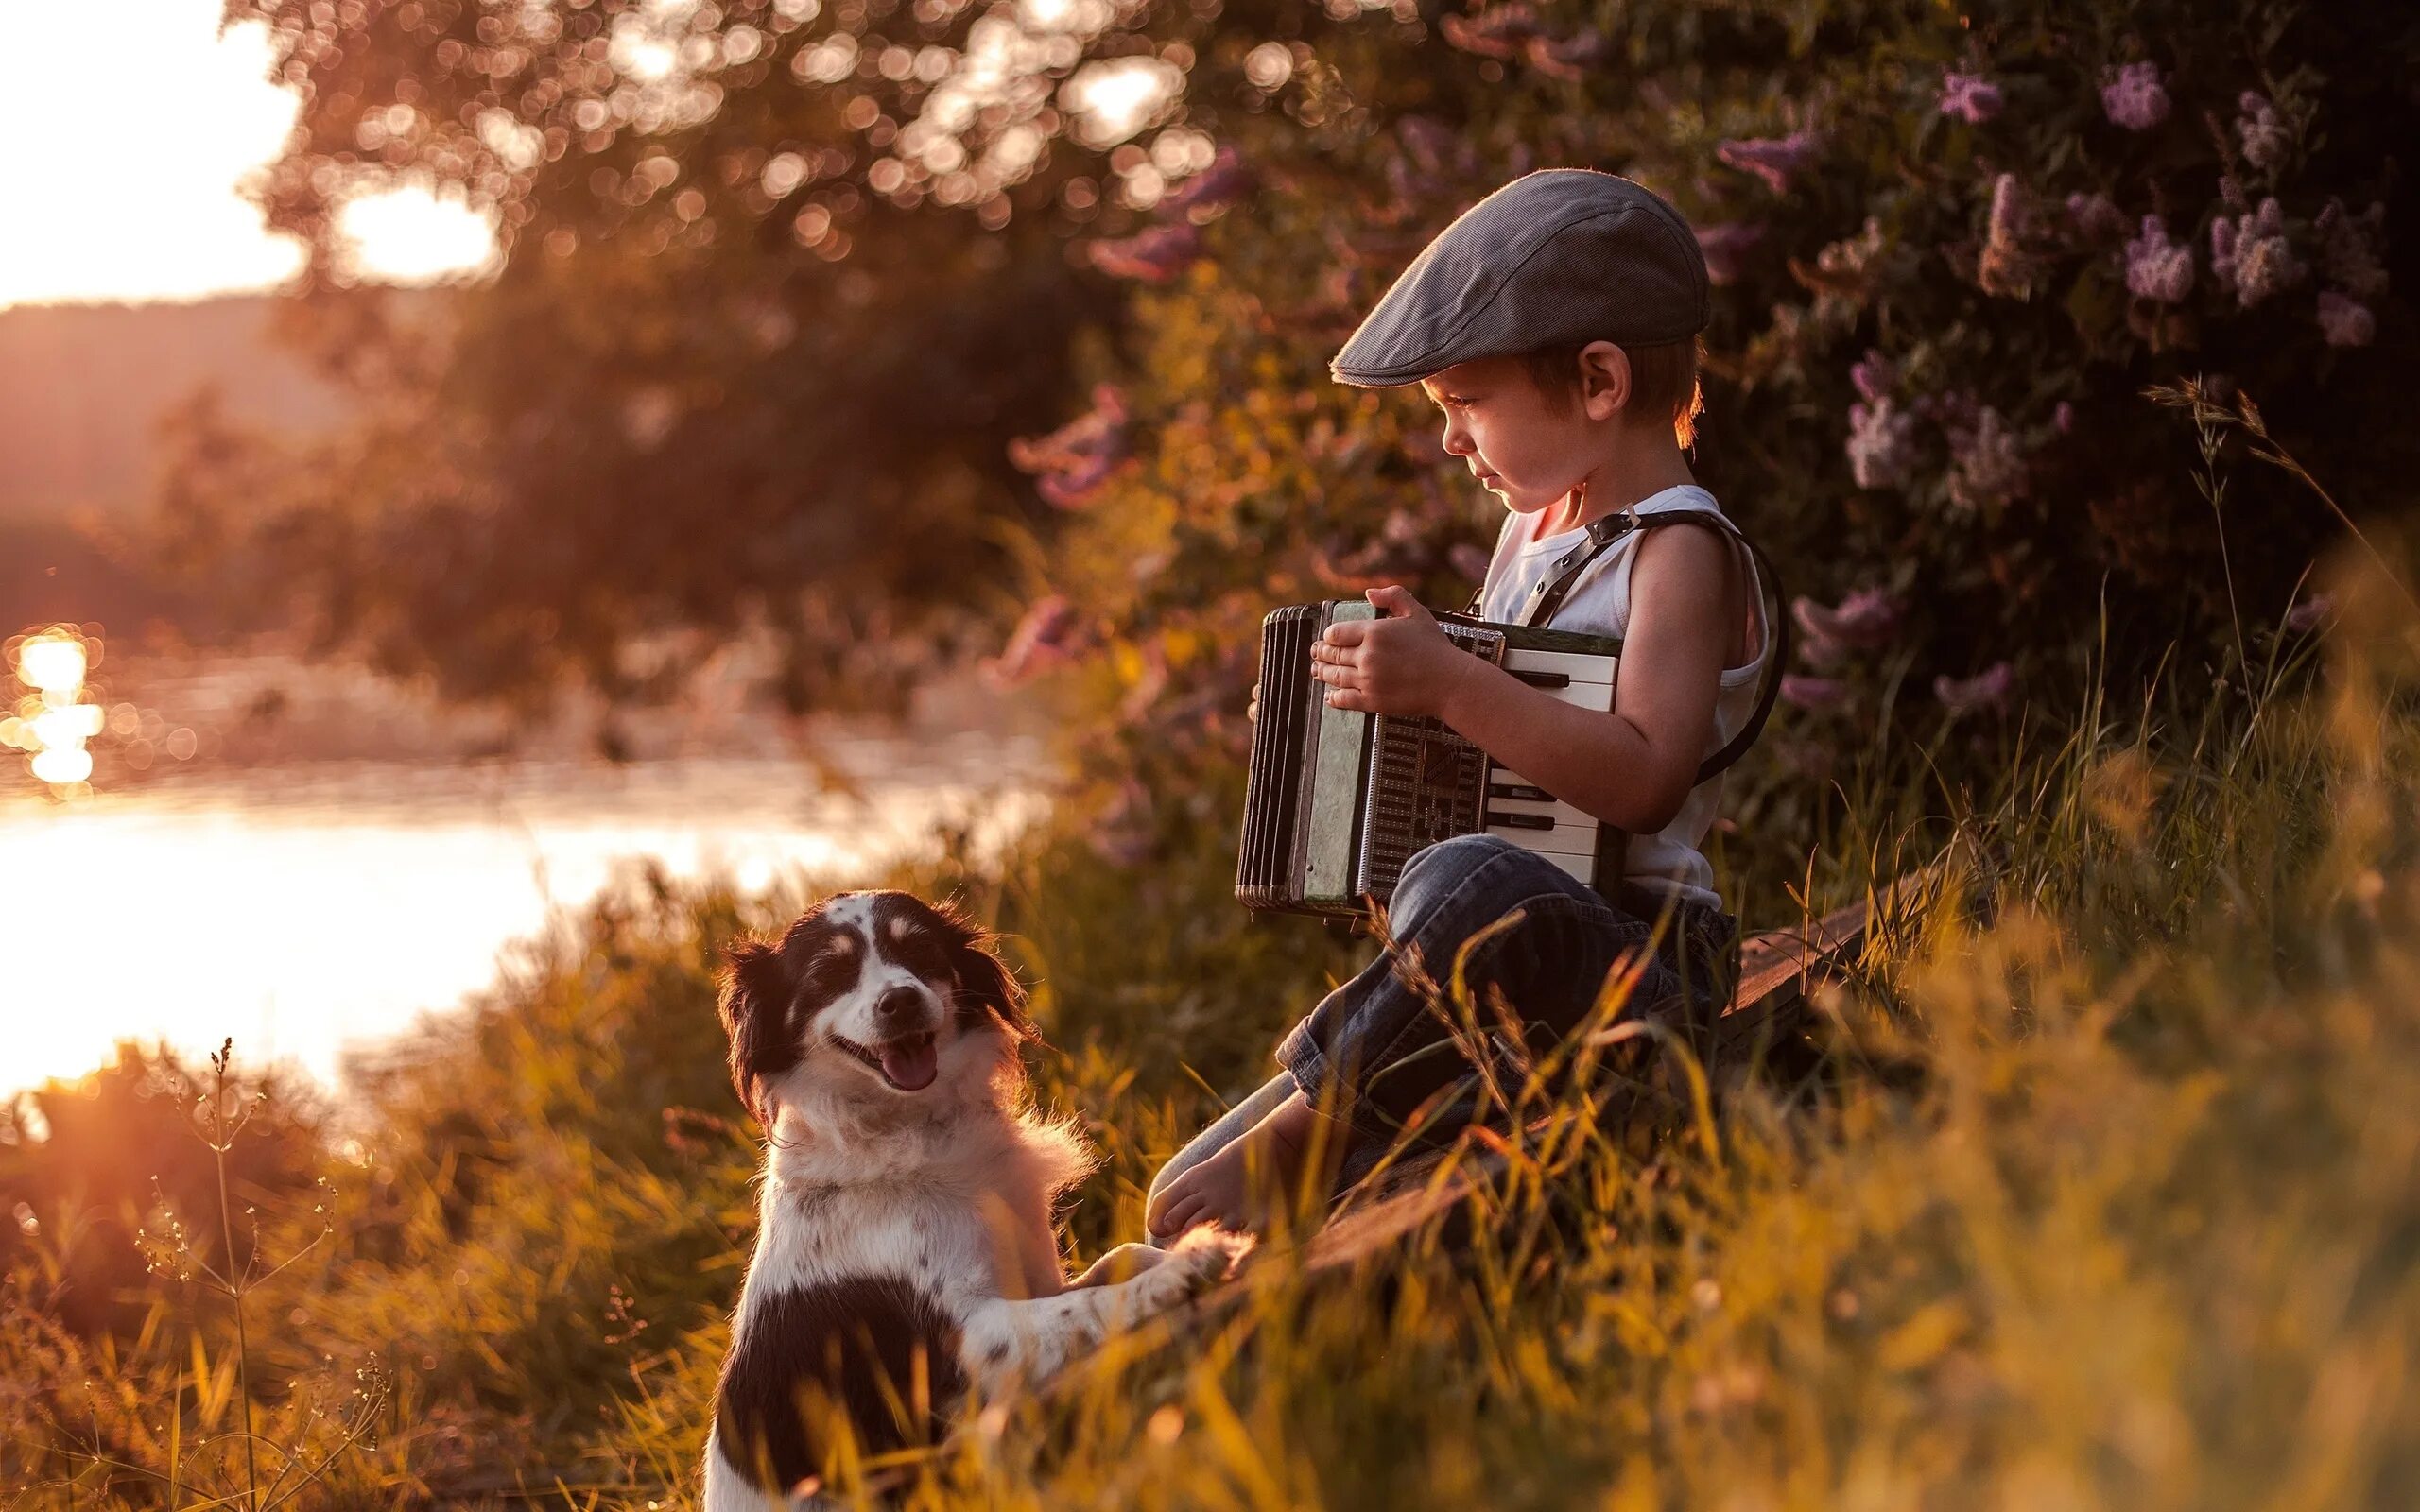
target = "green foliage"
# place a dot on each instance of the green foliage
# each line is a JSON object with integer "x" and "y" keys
{"x": 2103, "y": 1192}
{"x": 1927, "y": 373}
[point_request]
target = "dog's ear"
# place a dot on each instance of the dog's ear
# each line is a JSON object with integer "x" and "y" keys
{"x": 755, "y": 1007}
{"x": 984, "y": 980}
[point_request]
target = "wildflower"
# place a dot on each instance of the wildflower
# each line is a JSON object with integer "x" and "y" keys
{"x": 1874, "y": 374}
{"x": 1570, "y": 58}
{"x": 1968, "y": 97}
{"x": 2310, "y": 613}
{"x": 2249, "y": 254}
{"x": 1494, "y": 32}
{"x": 1154, "y": 256}
{"x": 1725, "y": 245}
{"x": 1468, "y": 560}
{"x": 1881, "y": 443}
{"x": 1985, "y": 465}
{"x": 1772, "y": 159}
{"x": 2345, "y": 322}
{"x": 1041, "y": 641}
{"x": 2004, "y": 268}
{"x": 1988, "y": 688}
{"x": 1864, "y": 621}
{"x": 2158, "y": 268}
{"x": 2096, "y": 217}
{"x": 1815, "y": 695}
{"x": 2063, "y": 418}
{"x": 1226, "y": 181}
{"x": 2262, "y": 135}
{"x": 2133, "y": 96}
{"x": 1070, "y": 463}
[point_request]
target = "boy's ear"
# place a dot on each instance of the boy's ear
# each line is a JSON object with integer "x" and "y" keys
{"x": 985, "y": 983}
{"x": 1604, "y": 379}
{"x": 755, "y": 1008}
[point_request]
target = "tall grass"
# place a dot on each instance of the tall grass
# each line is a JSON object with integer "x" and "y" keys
{"x": 2107, "y": 1192}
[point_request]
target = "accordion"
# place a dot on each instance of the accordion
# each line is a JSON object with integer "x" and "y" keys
{"x": 1337, "y": 799}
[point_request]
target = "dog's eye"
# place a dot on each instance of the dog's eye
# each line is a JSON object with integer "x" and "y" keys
{"x": 831, "y": 973}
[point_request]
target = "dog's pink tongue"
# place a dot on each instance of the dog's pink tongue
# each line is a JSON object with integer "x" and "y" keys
{"x": 911, "y": 1064}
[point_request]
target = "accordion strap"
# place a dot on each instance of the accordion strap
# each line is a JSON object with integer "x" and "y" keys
{"x": 1559, "y": 579}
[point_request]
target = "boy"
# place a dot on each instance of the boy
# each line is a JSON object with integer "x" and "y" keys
{"x": 1555, "y": 323}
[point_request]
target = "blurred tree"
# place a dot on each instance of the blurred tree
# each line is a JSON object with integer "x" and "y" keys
{"x": 780, "y": 284}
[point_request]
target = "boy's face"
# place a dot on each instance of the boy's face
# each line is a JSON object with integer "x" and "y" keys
{"x": 1520, "y": 449}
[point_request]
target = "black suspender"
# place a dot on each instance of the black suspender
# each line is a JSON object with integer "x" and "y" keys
{"x": 1556, "y": 583}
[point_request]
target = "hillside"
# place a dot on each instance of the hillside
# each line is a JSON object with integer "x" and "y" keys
{"x": 82, "y": 388}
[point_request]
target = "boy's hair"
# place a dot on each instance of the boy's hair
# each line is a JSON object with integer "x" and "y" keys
{"x": 1663, "y": 380}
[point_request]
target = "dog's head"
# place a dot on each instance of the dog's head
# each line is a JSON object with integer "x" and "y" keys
{"x": 871, "y": 1001}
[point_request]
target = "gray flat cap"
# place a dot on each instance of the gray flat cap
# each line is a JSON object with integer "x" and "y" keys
{"x": 1561, "y": 255}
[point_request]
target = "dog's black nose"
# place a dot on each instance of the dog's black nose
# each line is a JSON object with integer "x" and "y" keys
{"x": 898, "y": 1005}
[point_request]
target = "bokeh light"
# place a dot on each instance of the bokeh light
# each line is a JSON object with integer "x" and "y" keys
{"x": 411, "y": 235}
{"x": 53, "y": 723}
{"x": 104, "y": 212}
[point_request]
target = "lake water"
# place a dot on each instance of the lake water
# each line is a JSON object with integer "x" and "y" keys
{"x": 305, "y": 908}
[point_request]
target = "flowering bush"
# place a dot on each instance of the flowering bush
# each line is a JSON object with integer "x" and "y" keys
{"x": 1949, "y": 260}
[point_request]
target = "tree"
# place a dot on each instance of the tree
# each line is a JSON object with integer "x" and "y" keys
{"x": 780, "y": 284}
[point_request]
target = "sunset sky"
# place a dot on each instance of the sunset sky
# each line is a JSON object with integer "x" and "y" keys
{"x": 123, "y": 177}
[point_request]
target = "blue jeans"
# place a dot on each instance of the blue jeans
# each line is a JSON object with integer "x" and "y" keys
{"x": 1380, "y": 1053}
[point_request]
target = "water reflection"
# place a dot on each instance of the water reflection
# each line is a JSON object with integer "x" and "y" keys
{"x": 61, "y": 716}
{"x": 308, "y": 909}
{"x": 53, "y": 722}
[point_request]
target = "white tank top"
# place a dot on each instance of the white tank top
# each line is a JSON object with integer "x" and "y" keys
{"x": 1598, "y": 603}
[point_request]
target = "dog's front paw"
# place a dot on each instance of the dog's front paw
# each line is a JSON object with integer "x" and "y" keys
{"x": 1206, "y": 1256}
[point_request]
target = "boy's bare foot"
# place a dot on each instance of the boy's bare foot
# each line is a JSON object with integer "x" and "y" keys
{"x": 1246, "y": 1185}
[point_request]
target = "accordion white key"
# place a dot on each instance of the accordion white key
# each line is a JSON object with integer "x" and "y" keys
{"x": 1337, "y": 799}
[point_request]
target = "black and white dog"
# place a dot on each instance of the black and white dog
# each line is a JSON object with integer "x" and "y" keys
{"x": 904, "y": 1250}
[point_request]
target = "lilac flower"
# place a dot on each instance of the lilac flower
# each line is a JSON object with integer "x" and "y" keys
{"x": 2096, "y": 218}
{"x": 1985, "y": 465}
{"x": 1881, "y": 443}
{"x": 1864, "y": 621}
{"x": 1570, "y": 58}
{"x": 2310, "y": 613}
{"x": 1468, "y": 560}
{"x": 1772, "y": 159}
{"x": 1816, "y": 695}
{"x": 2158, "y": 268}
{"x": 1223, "y": 182}
{"x": 2250, "y": 254}
{"x": 1494, "y": 32}
{"x": 1821, "y": 652}
{"x": 1039, "y": 642}
{"x": 1726, "y": 244}
{"x": 1988, "y": 688}
{"x": 2261, "y": 133}
{"x": 1968, "y": 97}
{"x": 2345, "y": 322}
{"x": 1874, "y": 374}
{"x": 2134, "y": 98}
{"x": 1070, "y": 463}
{"x": 1154, "y": 256}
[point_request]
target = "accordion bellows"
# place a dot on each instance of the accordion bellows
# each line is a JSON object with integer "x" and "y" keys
{"x": 1337, "y": 799}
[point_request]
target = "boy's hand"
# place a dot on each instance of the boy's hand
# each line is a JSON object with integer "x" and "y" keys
{"x": 1402, "y": 664}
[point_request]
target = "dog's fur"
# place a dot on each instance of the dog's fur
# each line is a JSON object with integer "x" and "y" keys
{"x": 904, "y": 1251}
